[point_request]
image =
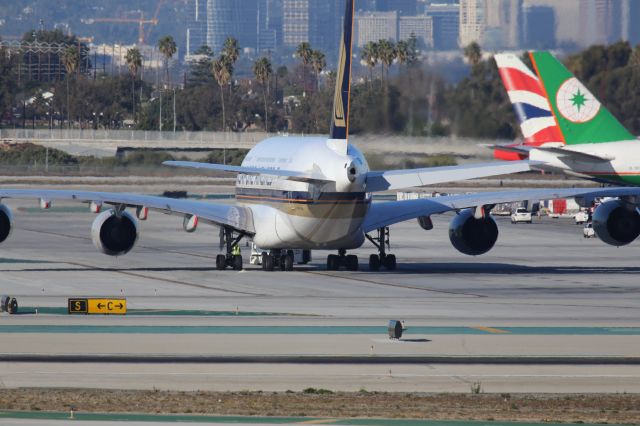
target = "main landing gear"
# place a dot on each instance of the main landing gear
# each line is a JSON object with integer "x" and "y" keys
{"x": 335, "y": 262}
{"x": 382, "y": 258}
{"x": 232, "y": 259}
{"x": 277, "y": 259}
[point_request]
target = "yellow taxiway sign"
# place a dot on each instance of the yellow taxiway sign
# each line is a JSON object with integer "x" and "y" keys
{"x": 98, "y": 306}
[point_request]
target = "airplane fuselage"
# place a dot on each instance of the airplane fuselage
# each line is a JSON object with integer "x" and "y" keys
{"x": 323, "y": 213}
{"x": 621, "y": 161}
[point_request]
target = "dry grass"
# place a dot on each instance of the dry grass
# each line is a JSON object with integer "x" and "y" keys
{"x": 587, "y": 408}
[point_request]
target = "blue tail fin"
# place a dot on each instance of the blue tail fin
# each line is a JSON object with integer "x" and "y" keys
{"x": 340, "y": 119}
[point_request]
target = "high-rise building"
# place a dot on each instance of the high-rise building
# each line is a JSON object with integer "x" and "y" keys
{"x": 473, "y": 22}
{"x": 446, "y": 25}
{"x": 375, "y": 26}
{"x": 231, "y": 18}
{"x": 269, "y": 24}
{"x": 504, "y": 24}
{"x": 630, "y": 24}
{"x": 539, "y": 27}
{"x": 196, "y": 26}
{"x": 315, "y": 21}
{"x": 420, "y": 26}
{"x": 603, "y": 18}
{"x": 403, "y": 7}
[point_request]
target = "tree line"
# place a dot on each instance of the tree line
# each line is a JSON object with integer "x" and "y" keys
{"x": 394, "y": 91}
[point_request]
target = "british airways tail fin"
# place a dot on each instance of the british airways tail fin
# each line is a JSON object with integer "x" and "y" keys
{"x": 340, "y": 118}
{"x": 527, "y": 95}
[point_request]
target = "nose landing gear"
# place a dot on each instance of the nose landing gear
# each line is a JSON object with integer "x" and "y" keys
{"x": 233, "y": 258}
{"x": 381, "y": 241}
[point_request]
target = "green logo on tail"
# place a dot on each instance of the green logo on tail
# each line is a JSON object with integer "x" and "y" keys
{"x": 581, "y": 117}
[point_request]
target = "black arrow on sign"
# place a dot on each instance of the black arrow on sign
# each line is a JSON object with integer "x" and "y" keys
{"x": 120, "y": 306}
{"x": 100, "y": 305}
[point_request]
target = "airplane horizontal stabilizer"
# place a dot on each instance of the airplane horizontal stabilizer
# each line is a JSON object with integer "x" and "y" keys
{"x": 577, "y": 155}
{"x": 398, "y": 179}
{"x": 289, "y": 174}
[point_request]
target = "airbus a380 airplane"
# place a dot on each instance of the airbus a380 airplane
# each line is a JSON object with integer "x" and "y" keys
{"x": 315, "y": 193}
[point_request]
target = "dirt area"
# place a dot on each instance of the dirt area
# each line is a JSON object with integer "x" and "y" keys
{"x": 584, "y": 408}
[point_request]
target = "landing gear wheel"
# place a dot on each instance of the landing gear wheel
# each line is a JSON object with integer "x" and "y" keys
{"x": 390, "y": 262}
{"x": 267, "y": 262}
{"x": 287, "y": 262}
{"x": 352, "y": 262}
{"x": 237, "y": 263}
{"x": 332, "y": 262}
{"x": 374, "y": 262}
{"x": 221, "y": 262}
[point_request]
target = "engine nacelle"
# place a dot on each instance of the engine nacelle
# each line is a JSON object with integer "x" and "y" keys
{"x": 616, "y": 223}
{"x": 473, "y": 236}
{"x": 114, "y": 235}
{"x": 6, "y": 222}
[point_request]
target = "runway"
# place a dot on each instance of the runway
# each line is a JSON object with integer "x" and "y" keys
{"x": 543, "y": 293}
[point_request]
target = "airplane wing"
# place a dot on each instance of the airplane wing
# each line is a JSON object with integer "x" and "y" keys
{"x": 289, "y": 174}
{"x": 577, "y": 155}
{"x": 387, "y": 213}
{"x": 238, "y": 218}
{"x": 398, "y": 179}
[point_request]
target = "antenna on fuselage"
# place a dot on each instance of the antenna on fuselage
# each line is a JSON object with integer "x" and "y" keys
{"x": 340, "y": 119}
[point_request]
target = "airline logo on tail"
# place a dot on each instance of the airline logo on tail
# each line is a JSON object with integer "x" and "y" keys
{"x": 529, "y": 101}
{"x": 579, "y": 114}
{"x": 575, "y": 102}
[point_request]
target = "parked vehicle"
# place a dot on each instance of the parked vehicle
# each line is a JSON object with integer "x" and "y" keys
{"x": 521, "y": 215}
{"x": 581, "y": 217}
{"x": 587, "y": 231}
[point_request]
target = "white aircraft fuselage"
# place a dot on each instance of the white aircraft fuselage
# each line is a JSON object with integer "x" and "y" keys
{"x": 325, "y": 213}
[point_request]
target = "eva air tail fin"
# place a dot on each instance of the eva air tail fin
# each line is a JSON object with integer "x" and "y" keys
{"x": 340, "y": 118}
{"x": 581, "y": 117}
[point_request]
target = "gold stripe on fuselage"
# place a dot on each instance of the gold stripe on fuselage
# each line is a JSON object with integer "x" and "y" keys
{"x": 321, "y": 209}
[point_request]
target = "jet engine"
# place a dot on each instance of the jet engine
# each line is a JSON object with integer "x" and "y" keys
{"x": 472, "y": 236}
{"x": 114, "y": 234}
{"x": 616, "y": 223}
{"x": 6, "y": 222}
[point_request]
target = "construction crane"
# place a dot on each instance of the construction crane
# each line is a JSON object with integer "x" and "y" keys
{"x": 140, "y": 21}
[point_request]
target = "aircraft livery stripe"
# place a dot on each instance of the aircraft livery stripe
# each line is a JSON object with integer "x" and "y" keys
{"x": 516, "y": 80}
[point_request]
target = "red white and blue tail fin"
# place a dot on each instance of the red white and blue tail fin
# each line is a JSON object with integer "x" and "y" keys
{"x": 537, "y": 123}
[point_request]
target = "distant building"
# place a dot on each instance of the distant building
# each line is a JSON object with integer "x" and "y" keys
{"x": 419, "y": 26}
{"x": 446, "y": 25}
{"x": 231, "y": 18}
{"x": 473, "y": 22}
{"x": 196, "y": 25}
{"x": 269, "y": 25}
{"x": 539, "y": 27}
{"x": 603, "y": 18}
{"x": 375, "y": 26}
{"x": 630, "y": 24}
{"x": 403, "y": 7}
{"x": 503, "y": 24}
{"x": 315, "y": 21}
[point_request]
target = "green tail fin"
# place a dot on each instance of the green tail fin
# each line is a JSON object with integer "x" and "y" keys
{"x": 581, "y": 117}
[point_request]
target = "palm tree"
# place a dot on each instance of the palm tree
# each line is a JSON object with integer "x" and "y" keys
{"x": 402, "y": 52}
{"x": 318, "y": 63}
{"x": 369, "y": 56}
{"x": 167, "y": 47}
{"x": 304, "y": 52}
{"x": 473, "y": 53}
{"x": 222, "y": 71}
{"x": 134, "y": 62}
{"x": 263, "y": 70}
{"x": 70, "y": 59}
{"x": 387, "y": 54}
{"x": 231, "y": 50}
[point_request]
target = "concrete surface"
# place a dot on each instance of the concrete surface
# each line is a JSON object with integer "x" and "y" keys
{"x": 540, "y": 275}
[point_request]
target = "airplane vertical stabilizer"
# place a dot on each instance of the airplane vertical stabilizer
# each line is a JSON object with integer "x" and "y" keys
{"x": 340, "y": 118}
{"x": 582, "y": 118}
